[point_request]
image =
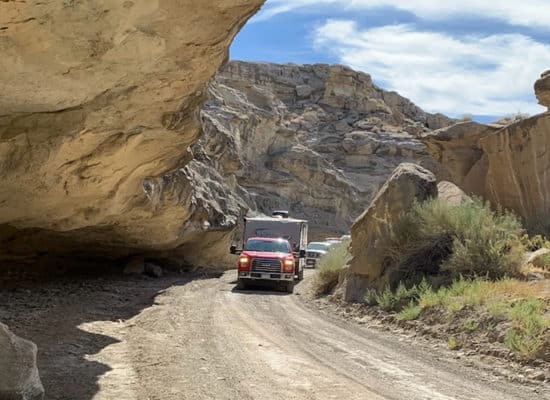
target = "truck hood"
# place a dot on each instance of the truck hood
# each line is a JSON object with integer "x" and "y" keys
{"x": 264, "y": 254}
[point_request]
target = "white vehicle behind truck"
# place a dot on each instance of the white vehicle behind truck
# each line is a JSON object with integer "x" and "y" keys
{"x": 273, "y": 242}
{"x": 315, "y": 250}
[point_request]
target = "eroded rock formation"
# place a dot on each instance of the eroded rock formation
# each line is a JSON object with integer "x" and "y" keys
{"x": 370, "y": 233}
{"x": 98, "y": 107}
{"x": 506, "y": 165}
{"x": 317, "y": 140}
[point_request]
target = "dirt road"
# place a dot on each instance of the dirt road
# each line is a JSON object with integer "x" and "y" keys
{"x": 200, "y": 339}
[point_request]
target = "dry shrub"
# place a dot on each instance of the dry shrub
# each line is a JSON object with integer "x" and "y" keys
{"x": 329, "y": 267}
{"x": 466, "y": 240}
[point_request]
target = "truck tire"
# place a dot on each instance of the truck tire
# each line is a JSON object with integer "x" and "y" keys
{"x": 290, "y": 287}
{"x": 242, "y": 284}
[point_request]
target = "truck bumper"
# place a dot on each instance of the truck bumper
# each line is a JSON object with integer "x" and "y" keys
{"x": 266, "y": 276}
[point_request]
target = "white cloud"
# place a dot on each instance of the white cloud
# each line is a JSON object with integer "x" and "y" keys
{"x": 529, "y": 13}
{"x": 489, "y": 75}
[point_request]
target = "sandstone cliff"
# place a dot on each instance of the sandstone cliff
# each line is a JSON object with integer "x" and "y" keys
{"x": 98, "y": 107}
{"x": 317, "y": 140}
{"x": 506, "y": 165}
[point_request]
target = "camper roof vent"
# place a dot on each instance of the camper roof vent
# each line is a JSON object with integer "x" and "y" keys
{"x": 280, "y": 213}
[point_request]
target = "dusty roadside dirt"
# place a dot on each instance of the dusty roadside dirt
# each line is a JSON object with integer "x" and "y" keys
{"x": 121, "y": 338}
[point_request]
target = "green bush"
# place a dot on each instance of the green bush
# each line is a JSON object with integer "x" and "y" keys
{"x": 465, "y": 240}
{"x": 397, "y": 300}
{"x": 387, "y": 300}
{"x": 453, "y": 343}
{"x": 329, "y": 267}
{"x": 410, "y": 312}
{"x": 543, "y": 262}
{"x": 371, "y": 297}
{"x": 471, "y": 325}
{"x": 530, "y": 332}
{"x": 534, "y": 243}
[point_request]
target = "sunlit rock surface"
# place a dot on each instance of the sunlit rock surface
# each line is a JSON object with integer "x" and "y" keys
{"x": 317, "y": 140}
{"x": 506, "y": 165}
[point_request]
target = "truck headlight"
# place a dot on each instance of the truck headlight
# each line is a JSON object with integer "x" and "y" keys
{"x": 288, "y": 265}
{"x": 244, "y": 263}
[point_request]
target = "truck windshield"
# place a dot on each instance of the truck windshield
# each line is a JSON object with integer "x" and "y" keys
{"x": 272, "y": 246}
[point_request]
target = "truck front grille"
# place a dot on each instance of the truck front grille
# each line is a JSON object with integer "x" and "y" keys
{"x": 266, "y": 265}
{"x": 311, "y": 254}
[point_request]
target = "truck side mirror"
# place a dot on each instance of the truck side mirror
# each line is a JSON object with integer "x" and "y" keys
{"x": 233, "y": 249}
{"x": 302, "y": 253}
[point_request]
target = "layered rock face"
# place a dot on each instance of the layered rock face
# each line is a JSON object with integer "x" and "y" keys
{"x": 371, "y": 231}
{"x": 507, "y": 166}
{"x": 99, "y": 104}
{"x": 317, "y": 140}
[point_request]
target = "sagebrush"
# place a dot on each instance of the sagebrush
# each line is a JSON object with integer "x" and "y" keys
{"x": 461, "y": 262}
{"x": 330, "y": 265}
{"x": 466, "y": 240}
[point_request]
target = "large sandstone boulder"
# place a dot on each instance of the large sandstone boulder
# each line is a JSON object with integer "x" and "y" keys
{"x": 19, "y": 379}
{"x": 317, "y": 140}
{"x": 99, "y": 104}
{"x": 371, "y": 231}
{"x": 542, "y": 89}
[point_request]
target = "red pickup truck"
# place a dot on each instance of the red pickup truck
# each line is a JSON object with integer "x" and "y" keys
{"x": 267, "y": 259}
{"x": 273, "y": 250}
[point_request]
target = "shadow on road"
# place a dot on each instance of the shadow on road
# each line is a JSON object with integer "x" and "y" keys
{"x": 57, "y": 316}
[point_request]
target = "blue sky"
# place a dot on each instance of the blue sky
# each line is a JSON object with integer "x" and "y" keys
{"x": 469, "y": 57}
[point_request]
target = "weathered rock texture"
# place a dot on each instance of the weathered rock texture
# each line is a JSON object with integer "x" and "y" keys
{"x": 370, "y": 233}
{"x": 509, "y": 166}
{"x": 99, "y": 104}
{"x": 19, "y": 379}
{"x": 452, "y": 194}
{"x": 457, "y": 149}
{"x": 542, "y": 89}
{"x": 317, "y": 140}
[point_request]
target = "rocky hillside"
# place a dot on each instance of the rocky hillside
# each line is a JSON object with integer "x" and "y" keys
{"x": 318, "y": 140}
{"x": 98, "y": 107}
